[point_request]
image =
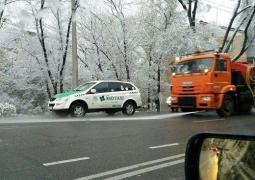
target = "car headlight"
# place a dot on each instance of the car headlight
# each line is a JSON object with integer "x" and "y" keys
{"x": 173, "y": 98}
{"x": 62, "y": 99}
{"x": 206, "y": 98}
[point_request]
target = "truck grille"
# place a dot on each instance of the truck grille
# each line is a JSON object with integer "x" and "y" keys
{"x": 187, "y": 101}
{"x": 187, "y": 88}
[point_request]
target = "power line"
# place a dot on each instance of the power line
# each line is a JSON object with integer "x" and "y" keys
{"x": 220, "y": 5}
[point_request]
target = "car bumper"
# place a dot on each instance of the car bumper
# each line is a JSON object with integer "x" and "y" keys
{"x": 56, "y": 106}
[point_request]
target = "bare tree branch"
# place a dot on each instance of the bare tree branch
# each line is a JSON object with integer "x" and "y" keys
{"x": 246, "y": 37}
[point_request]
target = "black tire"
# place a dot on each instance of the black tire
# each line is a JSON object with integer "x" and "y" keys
{"x": 227, "y": 107}
{"x": 78, "y": 110}
{"x": 245, "y": 108}
{"x": 62, "y": 113}
{"x": 174, "y": 109}
{"x": 128, "y": 108}
{"x": 110, "y": 112}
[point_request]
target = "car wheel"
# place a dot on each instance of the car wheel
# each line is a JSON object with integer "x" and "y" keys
{"x": 62, "y": 113}
{"x": 111, "y": 112}
{"x": 174, "y": 109}
{"x": 78, "y": 110}
{"x": 227, "y": 107}
{"x": 128, "y": 108}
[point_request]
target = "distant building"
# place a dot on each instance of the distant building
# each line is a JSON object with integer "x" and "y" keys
{"x": 237, "y": 42}
{"x": 251, "y": 54}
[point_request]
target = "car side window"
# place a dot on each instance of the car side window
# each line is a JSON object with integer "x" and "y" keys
{"x": 102, "y": 87}
{"x": 128, "y": 87}
{"x": 115, "y": 86}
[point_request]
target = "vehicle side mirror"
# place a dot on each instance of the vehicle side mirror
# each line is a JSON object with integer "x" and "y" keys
{"x": 173, "y": 69}
{"x": 93, "y": 91}
{"x": 220, "y": 156}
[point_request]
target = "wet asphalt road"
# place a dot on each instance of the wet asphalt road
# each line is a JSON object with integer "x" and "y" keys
{"x": 145, "y": 146}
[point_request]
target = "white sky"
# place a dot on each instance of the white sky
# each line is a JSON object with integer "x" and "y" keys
{"x": 219, "y": 11}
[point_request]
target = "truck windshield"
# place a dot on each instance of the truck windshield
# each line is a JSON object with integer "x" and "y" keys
{"x": 85, "y": 86}
{"x": 194, "y": 66}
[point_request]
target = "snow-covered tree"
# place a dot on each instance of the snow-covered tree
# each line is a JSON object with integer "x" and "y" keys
{"x": 242, "y": 19}
{"x": 113, "y": 43}
{"x": 110, "y": 39}
{"x": 166, "y": 34}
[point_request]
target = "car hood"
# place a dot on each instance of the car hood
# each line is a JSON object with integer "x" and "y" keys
{"x": 68, "y": 93}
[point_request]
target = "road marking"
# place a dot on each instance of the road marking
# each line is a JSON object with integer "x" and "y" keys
{"x": 66, "y": 161}
{"x": 166, "y": 145}
{"x": 112, "y": 118}
{"x": 19, "y": 127}
{"x": 122, "y": 176}
{"x": 130, "y": 167}
{"x": 208, "y": 120}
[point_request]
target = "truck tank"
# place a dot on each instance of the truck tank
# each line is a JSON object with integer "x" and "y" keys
{"x": 246, "y": 69}
{"x": 248, "y": 72}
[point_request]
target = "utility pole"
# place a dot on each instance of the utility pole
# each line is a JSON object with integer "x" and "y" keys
{"x": 74, "y": 46}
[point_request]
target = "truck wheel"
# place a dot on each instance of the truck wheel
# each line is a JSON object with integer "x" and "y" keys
{"x": 62, "y": 113}
{"x": 128, "y": 108}
{"x": 227, "y": 107}
{"x": 111, "y": 112}
{"x": 78, "y": 110}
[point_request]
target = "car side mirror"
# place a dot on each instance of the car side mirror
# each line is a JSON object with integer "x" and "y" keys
{"x": 220, "y": 156}
{"x": 93, "y": 91}
{"x": 173, "y": 69}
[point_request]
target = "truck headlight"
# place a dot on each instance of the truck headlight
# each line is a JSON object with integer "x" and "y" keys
{"x": 173, "y": 98}
{"x": 206, "y": 98}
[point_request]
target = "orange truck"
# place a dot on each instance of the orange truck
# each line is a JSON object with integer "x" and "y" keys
{"x": 211, "y": 81}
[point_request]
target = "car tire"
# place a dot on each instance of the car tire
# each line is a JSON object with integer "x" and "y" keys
{"x": 186, "y": 110}
{"x": 128, "y": 108}
{"x": 78, "y": 110}
{"x": 110, "y": 112}
{"x": 227, "y": 107}
{"x": 62, "y": 113}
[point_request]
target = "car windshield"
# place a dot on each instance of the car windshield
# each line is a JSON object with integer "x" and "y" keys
{"x": 194, "y": 66}
{"x": 85, "y": 86}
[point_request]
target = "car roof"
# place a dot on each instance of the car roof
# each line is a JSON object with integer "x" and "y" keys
{"x": 110, "y": 81}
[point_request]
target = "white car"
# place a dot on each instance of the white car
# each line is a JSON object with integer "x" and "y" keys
{"x": 168, "y": 101}
{"x": 94, "y": 96}
{"x": 168, "y": 104}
